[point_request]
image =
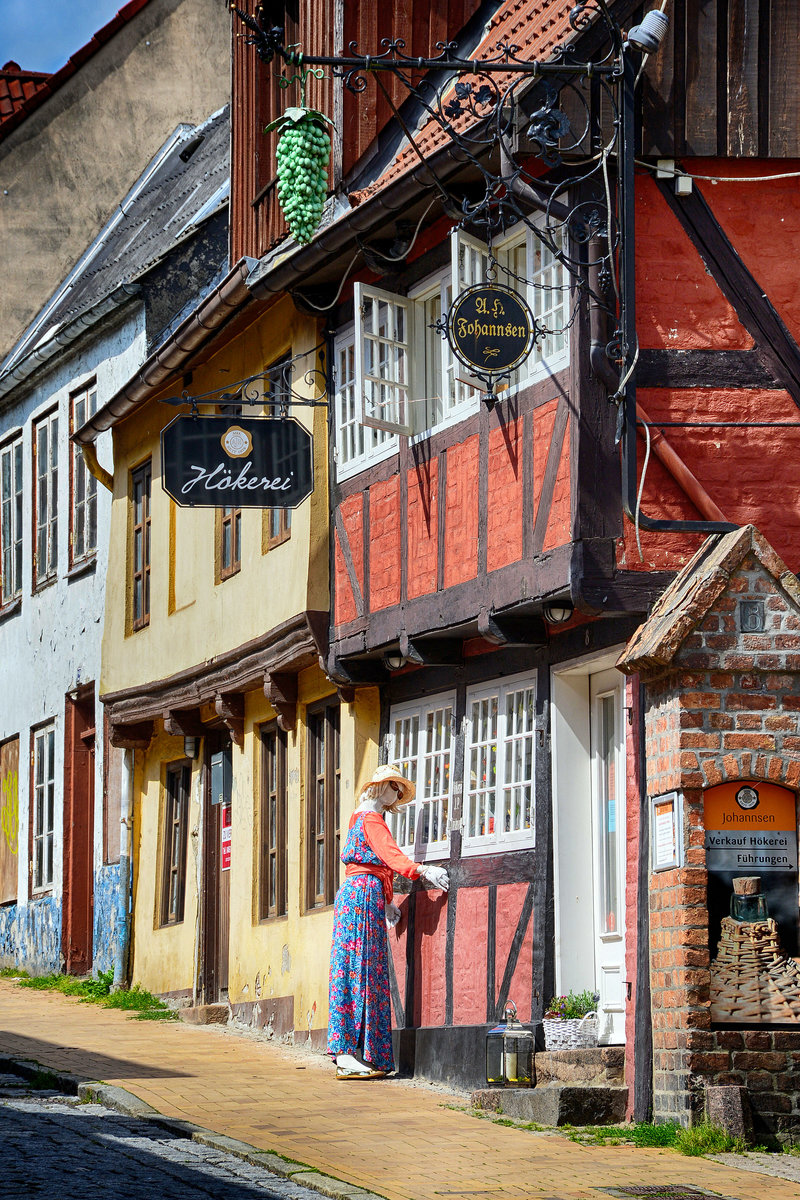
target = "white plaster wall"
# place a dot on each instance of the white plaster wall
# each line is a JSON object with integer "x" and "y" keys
{"x": 52, "y": 644}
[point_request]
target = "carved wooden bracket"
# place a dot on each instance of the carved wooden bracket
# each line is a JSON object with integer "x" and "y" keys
{"x": 431, "y": 651}
{"x": 503, "y": 630}
{"x": 230, "y": 707}
{"x": 280, "y": 688}
{"x": 184, "y": 722}
{"x": 135, "y": 735}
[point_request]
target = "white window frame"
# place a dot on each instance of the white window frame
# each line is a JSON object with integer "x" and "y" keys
{"x": 11, "y": 520}
{"x": 412, "y": 407}
{"x": 498, "y": 838}
{"x": 83, "y": 485}
{"x": 356, "y": 445}
{"x": 43, "y": 808}
{"x": 45, "y": 499}
{"x": 408, "y": 825}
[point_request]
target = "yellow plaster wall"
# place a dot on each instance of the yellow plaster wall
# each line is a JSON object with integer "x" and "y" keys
{"x": 291, "y": 954}
{"x": 193, "y": 617}
{"x": 162, "y": 957}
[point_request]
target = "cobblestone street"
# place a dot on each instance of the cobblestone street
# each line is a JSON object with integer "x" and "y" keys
{"x": 57, "y": 1146}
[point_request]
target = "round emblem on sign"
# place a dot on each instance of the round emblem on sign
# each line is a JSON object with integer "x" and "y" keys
{"x": 491, "y": 328}
{"x": 747, "y": 797}
{"x": 236, "y": 442}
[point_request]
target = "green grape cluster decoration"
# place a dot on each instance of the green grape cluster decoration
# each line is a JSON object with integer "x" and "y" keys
{"x": 304, "y": 150}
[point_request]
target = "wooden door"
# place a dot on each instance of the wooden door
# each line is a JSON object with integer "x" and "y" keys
{"x": 9, "y": 820}
{"x": 78, "y": 900}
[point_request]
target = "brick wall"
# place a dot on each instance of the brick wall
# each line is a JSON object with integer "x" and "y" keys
{"x": 728, "y": 709}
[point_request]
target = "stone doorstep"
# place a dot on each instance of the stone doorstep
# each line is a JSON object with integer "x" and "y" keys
{"x": 205, "y": 1014}
{"x": 604, "y": 1065}
{"x": 557, "y": 1104}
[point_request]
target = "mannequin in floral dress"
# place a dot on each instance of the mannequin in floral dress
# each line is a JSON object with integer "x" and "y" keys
{"x": 360, "y": 1022}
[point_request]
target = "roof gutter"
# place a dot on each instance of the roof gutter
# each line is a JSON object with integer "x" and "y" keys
{"x": 285, "y": 269}
{"x": 173, "y": 353}
{"x": 40, "y": 354}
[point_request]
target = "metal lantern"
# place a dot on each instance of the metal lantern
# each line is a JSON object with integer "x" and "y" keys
{"x": 509, "y": 1052}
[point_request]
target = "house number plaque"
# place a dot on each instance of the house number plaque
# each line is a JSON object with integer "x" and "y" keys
{"x": 491, "y": 328}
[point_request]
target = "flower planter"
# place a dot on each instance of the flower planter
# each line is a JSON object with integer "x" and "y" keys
{"x": 571, "y": 1034}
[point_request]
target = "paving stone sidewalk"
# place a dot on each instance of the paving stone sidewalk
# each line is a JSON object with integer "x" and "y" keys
{"x": 391, "y": 1137}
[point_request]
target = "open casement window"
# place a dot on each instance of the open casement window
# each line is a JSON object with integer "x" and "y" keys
{"x": 384, "y": 340}
{"x": 177, "y": 785}
{"x": 10, "y": 521}
{"x": 274, "y": 846}
{"x": 499, "y": 763}
{"x": 323, "y": 805}
{"x": 420, "y": 742}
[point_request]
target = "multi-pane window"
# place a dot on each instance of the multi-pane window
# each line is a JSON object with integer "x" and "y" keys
{"x": 272, "y": 876}
{"x": 323, "y": 805}
{"x": 277, "y": 526}
{"x": 45, "y": 499}
{"x": 497, "y": 786}
{"x": 176, "y": 820}
{"x": 229, "y": 545}
{"x": 421, "y": 744}
{"x": 83, "y": 485}
{"x": 395, "y": 372}
{"x": 11, "y": 520}
{"x": 44, "y": 807}
{"x": 356, "y": 443}
{"x": 499, "y": 765}
{"x": 277, "y": 522}
{"x": 141, "y": 485}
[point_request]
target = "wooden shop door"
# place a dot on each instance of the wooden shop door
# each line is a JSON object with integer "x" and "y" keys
{"x": 216, "y": 869}
{"x": 78, "y": 898}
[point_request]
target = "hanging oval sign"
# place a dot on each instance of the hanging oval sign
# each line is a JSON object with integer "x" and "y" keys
{"x": 491, "y": 328}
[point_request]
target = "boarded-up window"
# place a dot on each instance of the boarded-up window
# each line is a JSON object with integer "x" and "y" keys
{"x": 9, "y": 819}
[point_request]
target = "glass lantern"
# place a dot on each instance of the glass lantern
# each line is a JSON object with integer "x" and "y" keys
{"x": 509, "y": 1052}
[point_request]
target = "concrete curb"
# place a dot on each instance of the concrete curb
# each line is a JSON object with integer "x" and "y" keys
{"x": 125, "y": 1102}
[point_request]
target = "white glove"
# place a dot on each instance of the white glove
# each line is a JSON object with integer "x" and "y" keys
{"x": 436, "y": 877}
{"x": 392, "y": 915}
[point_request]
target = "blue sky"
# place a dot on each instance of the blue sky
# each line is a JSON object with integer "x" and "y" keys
{"x": 41, "y": 34}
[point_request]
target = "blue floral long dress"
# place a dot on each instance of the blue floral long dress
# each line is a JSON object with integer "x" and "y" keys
{"x": 360, "y": 1009}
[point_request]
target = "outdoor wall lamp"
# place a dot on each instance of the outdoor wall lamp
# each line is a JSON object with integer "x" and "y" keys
{"x": 190, "y": 746}
{"x": 393, "y": 660}
{"x": 648, "y": 36}
{"x": 558, "y": 612}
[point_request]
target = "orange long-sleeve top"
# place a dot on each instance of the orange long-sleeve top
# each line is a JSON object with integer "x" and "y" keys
{"x": 381, "y": 842}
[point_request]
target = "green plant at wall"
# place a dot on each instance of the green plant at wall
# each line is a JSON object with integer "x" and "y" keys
{"x": 303, "y": 154}
{"x": 572, "y": 1006}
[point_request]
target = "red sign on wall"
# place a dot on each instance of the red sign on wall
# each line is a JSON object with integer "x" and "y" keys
{"x": 225, "y": 838}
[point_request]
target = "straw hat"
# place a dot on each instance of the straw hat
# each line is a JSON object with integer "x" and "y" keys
{"x": 391, "y": 774}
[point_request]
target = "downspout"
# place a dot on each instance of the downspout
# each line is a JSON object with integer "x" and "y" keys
{"x": 93, "y": 466}
{"x": 121, "y": 964}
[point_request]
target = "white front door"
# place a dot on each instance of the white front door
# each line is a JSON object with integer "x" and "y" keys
{"x": 607, "y": 736}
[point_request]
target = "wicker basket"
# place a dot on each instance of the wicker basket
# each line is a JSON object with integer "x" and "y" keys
{"x": 573, "y": 1033}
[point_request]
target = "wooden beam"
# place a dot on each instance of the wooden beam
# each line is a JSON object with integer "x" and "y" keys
{"x": 136, "y": 735}
{"x": 280, "y": 688}
{"x": 776, "y": 349}
{"x": 512, "y": 630}
{"x": 432, "y": 651}
{"x": 703, "y": 369}
{"x": 230, "y": 707}
{"x": 184, "y": 722}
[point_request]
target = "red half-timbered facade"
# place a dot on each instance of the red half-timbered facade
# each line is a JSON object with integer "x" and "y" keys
{"x": 483, "y": 577}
